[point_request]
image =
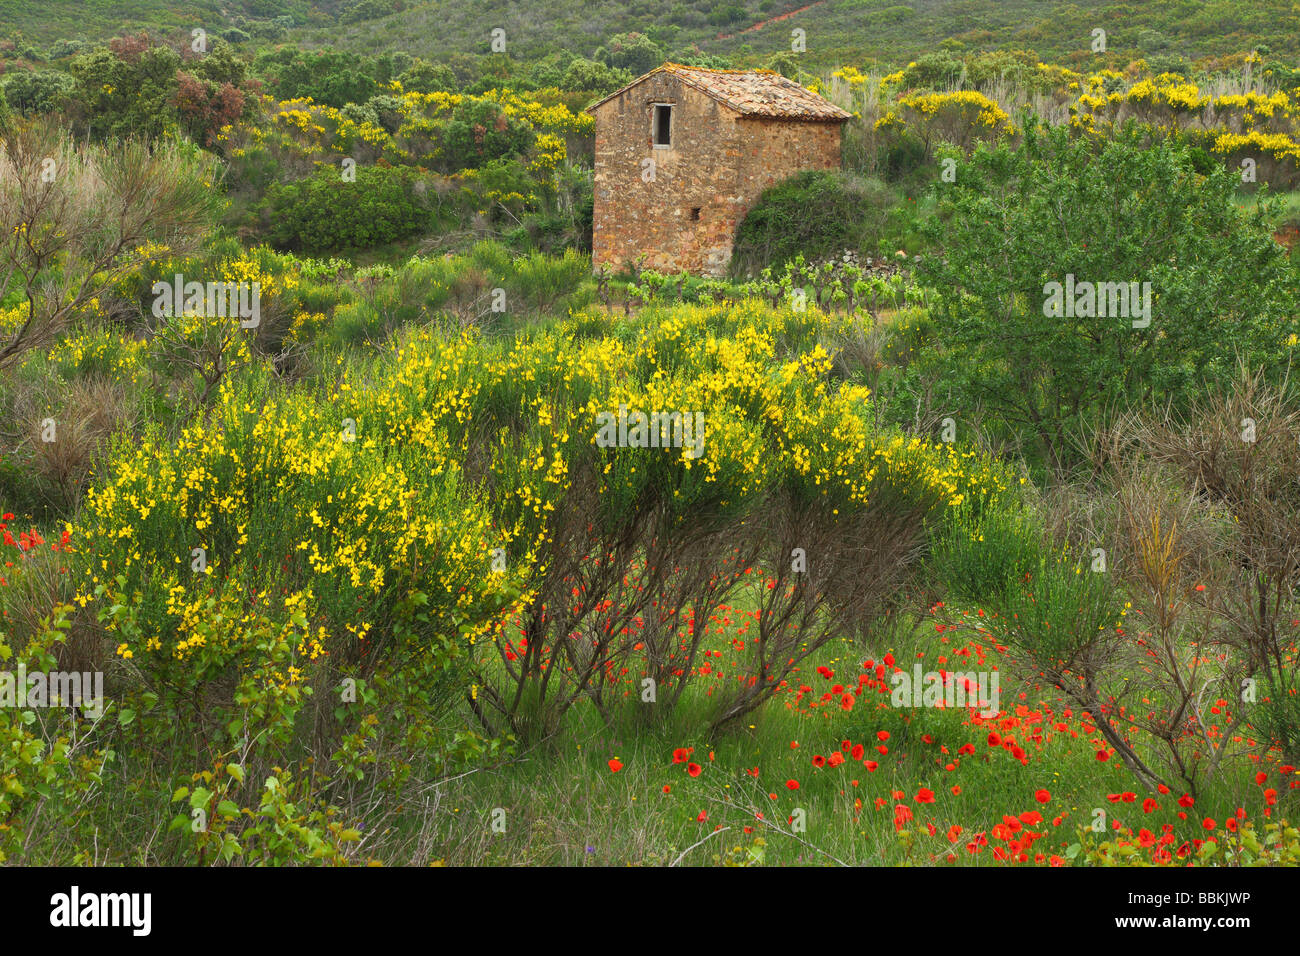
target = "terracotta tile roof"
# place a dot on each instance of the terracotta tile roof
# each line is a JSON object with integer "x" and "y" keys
{"x": 751, "y": 92}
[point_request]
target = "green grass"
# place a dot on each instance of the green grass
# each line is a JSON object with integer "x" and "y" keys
{"x": 562, "y": 804}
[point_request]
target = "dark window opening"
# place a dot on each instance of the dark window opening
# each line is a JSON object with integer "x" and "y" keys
{"x": 663, "y": 125}
{"x": 695, "y": 213}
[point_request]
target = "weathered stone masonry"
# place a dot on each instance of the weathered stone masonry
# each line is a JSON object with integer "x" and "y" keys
{"x": 731, "y": 135}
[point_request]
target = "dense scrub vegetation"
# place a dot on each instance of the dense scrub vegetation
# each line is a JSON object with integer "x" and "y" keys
{"x": 838, "y": 30}
{"x": 404, "y": 525}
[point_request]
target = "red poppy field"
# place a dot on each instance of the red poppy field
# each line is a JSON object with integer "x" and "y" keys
{"x": 831, "y": 773}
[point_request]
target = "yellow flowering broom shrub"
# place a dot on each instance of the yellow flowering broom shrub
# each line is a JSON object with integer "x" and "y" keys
{"x": 444, "y": 521}
{"x": 608, "y": 539}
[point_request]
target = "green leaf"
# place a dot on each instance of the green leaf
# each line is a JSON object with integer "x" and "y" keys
{"x": 230, "y": 848}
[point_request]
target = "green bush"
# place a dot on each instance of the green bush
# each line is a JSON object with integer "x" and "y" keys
{"x": 544, "y": 282}
{"x": 324, "y": 212}
{"x": 49, "y": 769}
{"x": 1022, "y": 218}
{"x": 981, "y": 557}
{"x": 480, "y": 131}
{"x": 818, "y": 214}
{"x": 36, "y": 92}
{"x": 328, "y": 76}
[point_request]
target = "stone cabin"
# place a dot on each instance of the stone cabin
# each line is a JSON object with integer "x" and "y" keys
{"x": 683, "y": 153}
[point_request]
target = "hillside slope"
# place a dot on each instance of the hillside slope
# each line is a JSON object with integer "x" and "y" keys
{"x": 837, "y": 31}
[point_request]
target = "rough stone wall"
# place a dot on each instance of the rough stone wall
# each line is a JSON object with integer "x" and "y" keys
{"x": 719, "y": 163}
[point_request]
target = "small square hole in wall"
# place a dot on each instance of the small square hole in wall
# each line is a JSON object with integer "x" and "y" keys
{"x": 695, "y": 213}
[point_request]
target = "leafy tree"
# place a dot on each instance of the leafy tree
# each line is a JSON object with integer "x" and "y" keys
{"x": 588, "y": 75}
{"x": 30, "y": 92}
{"x": 221, "y": 65}
{"x": 933, "y": 70}
{"x": 204, "y": 108}
{"x": 634, "y": 52}
{"x": 125, "y": 94}
{"x": 694, "y": 56}
{"x": 425, "y": 77}
{"x": 331, "y": 77}
{"x": 549, "y": 71}
{"x": 1121, "y": 211}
